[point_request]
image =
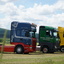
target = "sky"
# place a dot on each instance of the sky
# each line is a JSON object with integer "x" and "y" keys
{"x": 39, "y": 12}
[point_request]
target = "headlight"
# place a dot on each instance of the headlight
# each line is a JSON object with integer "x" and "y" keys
{"x": 57, "y": 39}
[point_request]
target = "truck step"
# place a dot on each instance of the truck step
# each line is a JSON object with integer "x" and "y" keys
{"x": 38, "y": 48}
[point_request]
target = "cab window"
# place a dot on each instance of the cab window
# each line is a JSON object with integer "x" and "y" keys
{"x": 48, "y": 33}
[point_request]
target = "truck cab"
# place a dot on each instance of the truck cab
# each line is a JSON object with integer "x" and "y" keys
{"x": 48, "y": 39}
{"x": 23, "y": 37}
{"x": 61, "y": 37}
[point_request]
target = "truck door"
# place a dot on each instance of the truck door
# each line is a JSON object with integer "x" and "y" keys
{"x": 32, "y": 35}
{"x": 21, "y": 36}
{"x": 45, "y": 36}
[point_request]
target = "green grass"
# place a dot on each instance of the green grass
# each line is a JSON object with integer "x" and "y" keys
{"x": 7, "y": 41}
{"x": 33, "y": 58}
{"x": 3, "y": 44}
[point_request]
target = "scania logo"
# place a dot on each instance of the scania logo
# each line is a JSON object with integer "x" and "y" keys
{"x": 15, "y": 24}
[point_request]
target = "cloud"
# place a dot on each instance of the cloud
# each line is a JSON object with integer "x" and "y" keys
{"x": 7, "y": 1}
{"x": 39, "y": 14}
{"x": 40, "y": 9}
{"x": 8, "y": 9}
{"x": 5, "y": 22}
{"x": 47, "y": 9}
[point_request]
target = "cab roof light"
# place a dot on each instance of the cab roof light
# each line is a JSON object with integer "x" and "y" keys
{"x": 34, "y": 24}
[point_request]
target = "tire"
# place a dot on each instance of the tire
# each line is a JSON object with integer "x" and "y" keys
{"x": 45, "y": 49}
{"x": 62, "y": 49}
{"x": 19, "y": 50}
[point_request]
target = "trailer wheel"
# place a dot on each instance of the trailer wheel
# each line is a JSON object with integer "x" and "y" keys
{"x": 19, "y": 50}
{"x": 45, "y": 49}
{"x": 62, "y": 49}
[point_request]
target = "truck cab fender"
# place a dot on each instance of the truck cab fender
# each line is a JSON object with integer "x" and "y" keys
{"x": 18, "y": 46}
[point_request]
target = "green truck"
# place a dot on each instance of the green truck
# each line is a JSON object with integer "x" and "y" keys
{"x": 48, "y": 39}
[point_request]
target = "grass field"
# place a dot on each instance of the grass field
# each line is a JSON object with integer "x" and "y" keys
{"x": 33, "y": 58}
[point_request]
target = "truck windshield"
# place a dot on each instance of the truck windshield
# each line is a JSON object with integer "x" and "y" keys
{"x": 24, "y": 33}
{"x": 55, "y": 34}
{"x": 32, "y": 34}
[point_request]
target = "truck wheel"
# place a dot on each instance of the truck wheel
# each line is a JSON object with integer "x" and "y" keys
{"x": 45, "y": 50}
{"x": 19, "y": 50}
{"x": 62, "y": 49}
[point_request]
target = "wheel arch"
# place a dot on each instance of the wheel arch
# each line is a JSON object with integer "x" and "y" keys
{"x": 43, "y": 46}
{"x": 61, "y": 46}
{"x": 18, "y": 46}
